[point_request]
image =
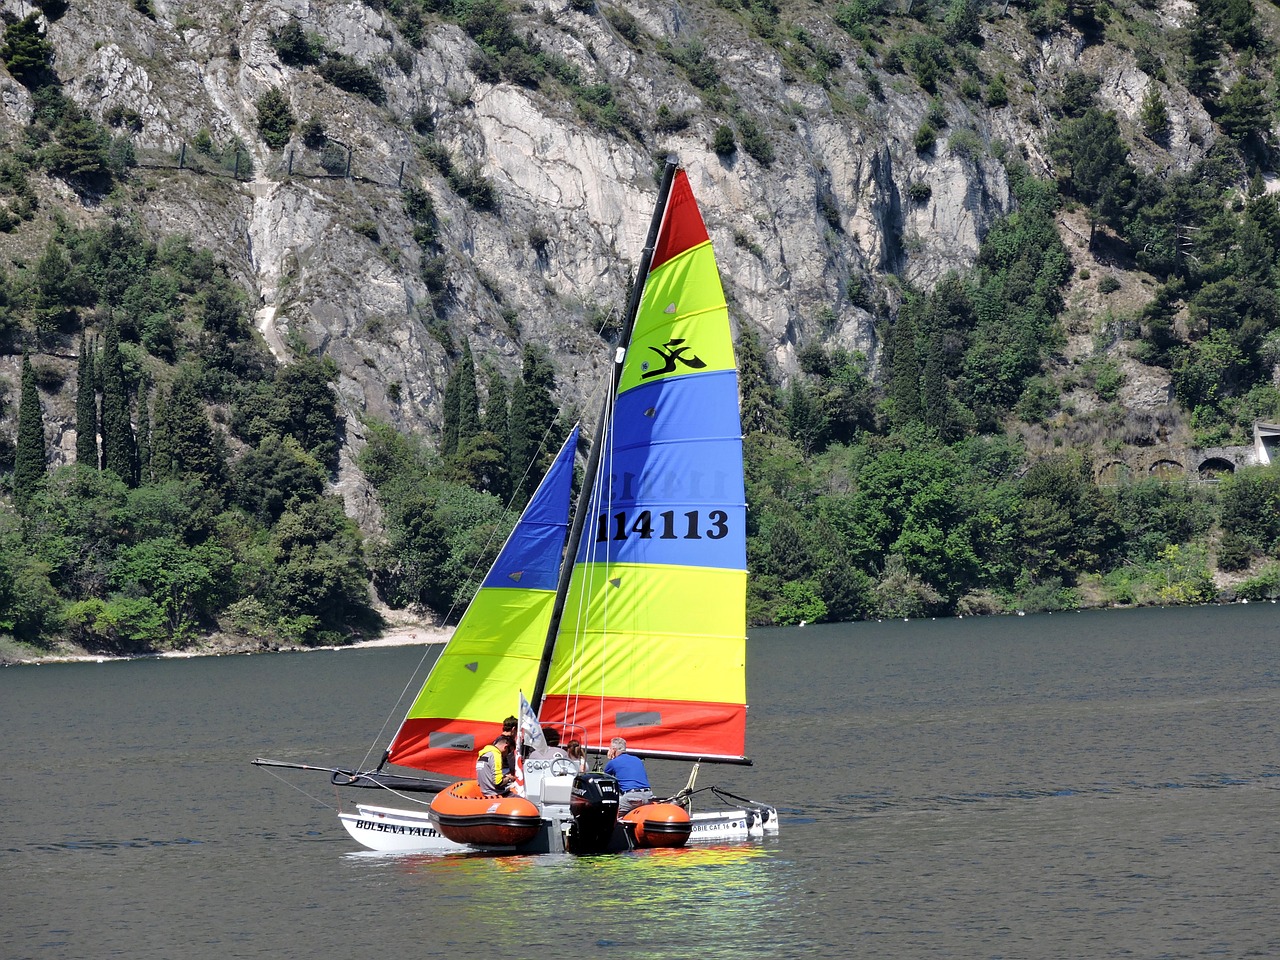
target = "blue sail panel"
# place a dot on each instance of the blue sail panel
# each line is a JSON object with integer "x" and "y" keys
{"x": 530, "y": 559}
{"x": 674, "y": 491}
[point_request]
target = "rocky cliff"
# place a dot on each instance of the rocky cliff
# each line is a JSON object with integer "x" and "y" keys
{"x": 825, "y": 205}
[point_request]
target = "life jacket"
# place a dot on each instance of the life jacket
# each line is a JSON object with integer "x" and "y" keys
{"x": 498, "y": 775}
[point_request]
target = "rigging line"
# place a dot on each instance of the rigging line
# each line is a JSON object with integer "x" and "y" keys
{"x": 309, "y": 796}
{"x": 606, "y": 507}
{"x": 413, "y": 681}
{"x": 586, "y": 587}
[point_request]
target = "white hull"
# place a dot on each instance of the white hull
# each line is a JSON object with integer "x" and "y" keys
{"x": 390, "y": 830}
{"x": 731, "y": 826}
{"x": 397, "y": 831}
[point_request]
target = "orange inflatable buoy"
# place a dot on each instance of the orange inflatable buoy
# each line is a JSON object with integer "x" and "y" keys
{"x": 659, "y": 825}
{"x": 465, "y": 815}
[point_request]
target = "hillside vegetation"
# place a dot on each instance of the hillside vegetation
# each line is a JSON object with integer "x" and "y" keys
{"x": 295, "y": 300}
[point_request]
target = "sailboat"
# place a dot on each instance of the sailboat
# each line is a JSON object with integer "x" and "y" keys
{"x": 633, "y": 626}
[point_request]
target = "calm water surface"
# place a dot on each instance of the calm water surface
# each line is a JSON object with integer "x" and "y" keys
{"x": 1075, "y": 785}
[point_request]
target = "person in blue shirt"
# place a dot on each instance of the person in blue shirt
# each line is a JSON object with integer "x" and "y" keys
{"x": 632, "y": 777}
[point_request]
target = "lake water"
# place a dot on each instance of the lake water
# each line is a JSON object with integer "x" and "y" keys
{"x": 1099, "y": 784}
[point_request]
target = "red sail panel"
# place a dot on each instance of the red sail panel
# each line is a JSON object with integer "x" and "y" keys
{"x": 684, "y": 727}
{"x": 682, "y": 226}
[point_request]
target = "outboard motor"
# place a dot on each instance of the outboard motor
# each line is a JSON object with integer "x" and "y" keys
{"x": 594, "y": 809}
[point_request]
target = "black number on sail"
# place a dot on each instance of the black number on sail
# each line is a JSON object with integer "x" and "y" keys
{"x": 619, "y": 526}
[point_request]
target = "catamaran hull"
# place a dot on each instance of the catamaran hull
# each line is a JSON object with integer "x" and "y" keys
{"x": 389, "y": 830}
{"x": 734, "y": 826}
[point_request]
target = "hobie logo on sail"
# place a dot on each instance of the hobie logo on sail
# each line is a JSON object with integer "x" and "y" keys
{"x": 672, "y": 353}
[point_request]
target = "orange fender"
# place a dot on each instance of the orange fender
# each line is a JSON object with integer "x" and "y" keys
{"x": 659, "y": 825}
{"x": 465, "y": 815}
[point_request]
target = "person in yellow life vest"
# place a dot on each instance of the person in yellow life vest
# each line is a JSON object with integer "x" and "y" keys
{"x": 491, "y": 776}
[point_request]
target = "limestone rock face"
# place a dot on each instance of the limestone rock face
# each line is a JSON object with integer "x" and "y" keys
{"x": 332, "y": 262}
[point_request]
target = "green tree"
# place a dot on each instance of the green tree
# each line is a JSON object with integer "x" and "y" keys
{"x": 86, "y": 406}
{"x": 184, "y": 446}
{"x": 30, "y": 464}
{"x": 807, "y": 425}
{"x": 497, "y": 425}
{"x": 533, "y": 418}
{"x": 468, "y": 399}
{"x": 27, "y": 54}
{"x": 755, "y": 393}
{"x": 907, "y": 503}
{"x": 297, "y": 47}
{"x": 1154, "y": 114}
{"x": 318, "y": 575}
{"x": 80, "y": 153}
{"x": 186, "y": 583}
{"x": 724, "y": 143}
{"x": 1244, "y": 113}
{"x": 961, "y": 22}
{"x": 275, "y": 118}
{"x": 1234, "y": 20}
{"x": 1251, "y": 508}
{"x": 52, "y": 289}
{"x": 1067, "y": 525}
{"x": 1202, "y": 49}
{"x": 119, "y": 446}
{"x": 1207, "y": 370}
{"x": 76, "y": 524}
{"x": 310, "y": 407}
{"x": 275, "y": 476}
{"x": 145, "y": 474}
{"x": 1094, "y": 166}
{"x": 30, "y": 608}
{"x": 904, "y": 367}
{"x": 450, "y": 416}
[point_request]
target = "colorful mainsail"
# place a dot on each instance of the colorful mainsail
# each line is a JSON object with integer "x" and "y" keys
{"x": 652, "y": 643}
{"x": 496, "y": 648}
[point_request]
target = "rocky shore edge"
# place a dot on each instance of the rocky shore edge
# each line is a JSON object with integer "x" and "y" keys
{"x": 13, "y": 653}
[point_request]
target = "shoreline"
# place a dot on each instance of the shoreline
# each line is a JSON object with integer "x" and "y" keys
{"x": 405, "y": 635}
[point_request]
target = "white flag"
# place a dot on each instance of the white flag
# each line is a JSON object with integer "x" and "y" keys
{"x": 529, "y": 733}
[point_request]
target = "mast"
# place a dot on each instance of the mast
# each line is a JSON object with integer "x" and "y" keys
{"x": 593, "y": 458}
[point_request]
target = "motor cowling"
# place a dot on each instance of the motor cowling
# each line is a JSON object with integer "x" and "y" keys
{"x": 593, "y": 807}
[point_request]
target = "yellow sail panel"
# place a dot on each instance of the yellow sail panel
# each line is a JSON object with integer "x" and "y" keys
{"x": 683, "y": 324}
{"x": 658, "y": 632}
{"x": 494, "y": 651}
{"x": 497, "y": 653}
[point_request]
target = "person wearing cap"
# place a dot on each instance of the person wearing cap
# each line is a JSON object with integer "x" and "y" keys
{"x": 632, "y": 777}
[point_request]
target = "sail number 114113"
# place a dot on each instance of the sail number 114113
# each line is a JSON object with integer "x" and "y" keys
{"x": 667, "y": 525}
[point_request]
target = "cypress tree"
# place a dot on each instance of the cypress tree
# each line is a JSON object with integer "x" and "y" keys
{"x": 449, "y": 432}
{"x": 468, "y": 400}
{"x": 497, "y": 411}
{"x": 936, "y": 400}
{"x": 183, "y": 444}
{"x": 29, "y": 465}
{"x": 904, "y": 369}
{"x": 162, "y": 466}
{"x": 144, "y": 439}
{"x": 496, "y": 424}
{"x": 532, "y": 420}
{"x": 759, "y": 407}
{"x": 86, "y": 407}
{"x": 119, "y": 451}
